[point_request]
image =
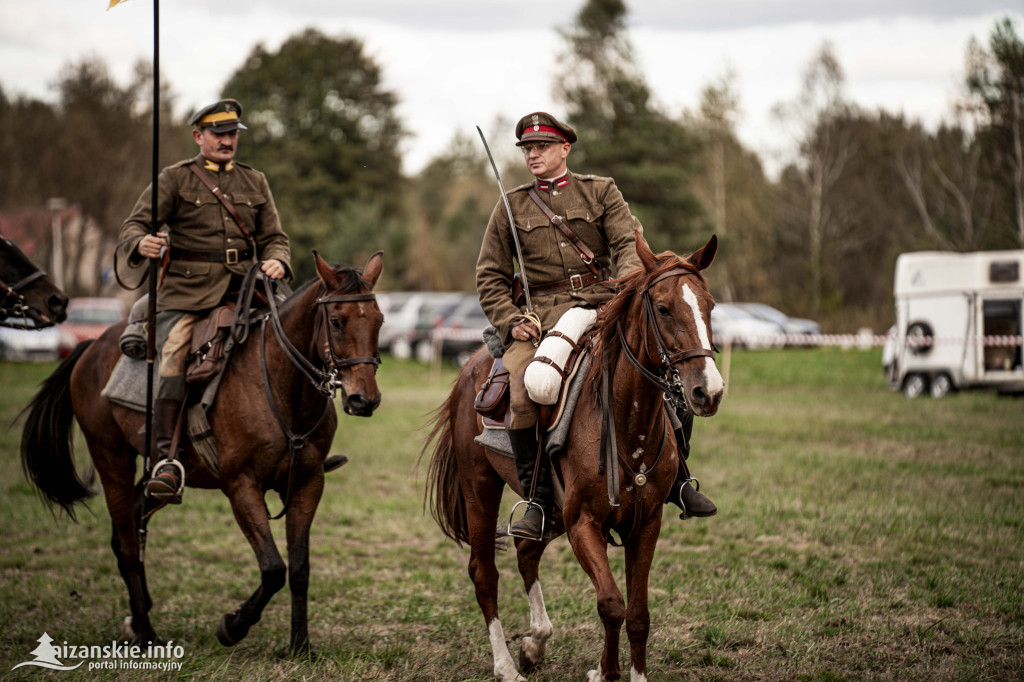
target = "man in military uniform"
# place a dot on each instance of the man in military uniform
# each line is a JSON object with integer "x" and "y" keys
{"x": 592, "y": 207}
{"x": 209, "y": 253}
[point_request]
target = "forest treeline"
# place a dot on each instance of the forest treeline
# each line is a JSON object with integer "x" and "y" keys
{"x": 820, "y": 240}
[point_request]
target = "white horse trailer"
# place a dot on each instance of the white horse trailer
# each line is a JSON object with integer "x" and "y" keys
{"x": 958, "y": 323}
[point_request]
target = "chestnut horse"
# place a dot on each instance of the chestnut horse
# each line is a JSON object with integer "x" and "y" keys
{"x": 26, "y": 291}
{"x": 327, "y": 338}
{"x": 653, "y": 337}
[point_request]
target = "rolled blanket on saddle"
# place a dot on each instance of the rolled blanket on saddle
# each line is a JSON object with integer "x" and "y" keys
{"x": 133, "y": 339}
{"x": 548, "y": 370}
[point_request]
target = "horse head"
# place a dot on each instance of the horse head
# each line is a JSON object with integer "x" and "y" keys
{"x": 352, "y": 320}
{"x": 678, "y": 308}
{"x": 27, "y": 291}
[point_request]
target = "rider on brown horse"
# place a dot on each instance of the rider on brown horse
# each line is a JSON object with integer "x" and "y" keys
{"x": 217, "y": 216}
{"x": 566, "y": 268}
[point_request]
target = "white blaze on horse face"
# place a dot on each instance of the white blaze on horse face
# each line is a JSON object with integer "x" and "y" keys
{"x": 713, "y": 379}
{"x": 504, "y": 667}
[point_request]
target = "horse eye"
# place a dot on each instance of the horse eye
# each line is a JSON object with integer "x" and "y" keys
{"x": 662, "y": 309}
{"x": 335, "y": 324}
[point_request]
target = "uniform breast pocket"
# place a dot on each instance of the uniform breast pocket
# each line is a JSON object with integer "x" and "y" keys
{"x": 248, "y": 205}
{"x": 586, "y": 222}
{"x": 532, "y": 235}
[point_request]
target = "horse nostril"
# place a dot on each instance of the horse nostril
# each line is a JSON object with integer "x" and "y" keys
{"x": 699, "y": 396}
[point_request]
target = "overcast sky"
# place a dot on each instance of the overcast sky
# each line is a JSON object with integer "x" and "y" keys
{"x": 459, "y": 63}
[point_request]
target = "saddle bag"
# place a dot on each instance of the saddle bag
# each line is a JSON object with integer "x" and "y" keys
{"x": 208, "y": 337}
{"x": 492, "y": 399}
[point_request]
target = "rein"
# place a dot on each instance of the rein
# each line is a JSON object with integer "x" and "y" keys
{"x": 667, "y": 381}
{"x": 13, "y": 302}
{"x": 325, "y": 382}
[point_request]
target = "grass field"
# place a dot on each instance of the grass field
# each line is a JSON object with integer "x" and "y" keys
{"x": 860, "y": 536}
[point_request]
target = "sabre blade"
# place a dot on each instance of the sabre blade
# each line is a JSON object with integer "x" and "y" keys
{"x": 511, "y": 222}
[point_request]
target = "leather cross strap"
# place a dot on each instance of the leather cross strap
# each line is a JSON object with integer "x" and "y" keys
{"x": 222, "y": 199}
{"x": 586, "y": 255}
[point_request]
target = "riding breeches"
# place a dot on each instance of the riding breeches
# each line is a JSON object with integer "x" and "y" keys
{"x": 173, "y": 342}
{"x": 516, "y": 358}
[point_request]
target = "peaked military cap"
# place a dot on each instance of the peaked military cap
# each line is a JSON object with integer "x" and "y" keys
{"x": 219, "y": 117}
{"x": 543, "y": 127}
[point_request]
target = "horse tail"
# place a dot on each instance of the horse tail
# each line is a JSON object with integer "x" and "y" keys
{"x": 47, "y": 440}
{"x": 447, "y": 503}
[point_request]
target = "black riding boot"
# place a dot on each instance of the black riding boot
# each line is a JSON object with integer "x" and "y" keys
{"x": 682, "y": 494}
{"x": 524, "y": 447}
{"x": 165, "y": 483}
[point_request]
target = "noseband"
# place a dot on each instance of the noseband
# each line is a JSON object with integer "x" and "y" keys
{"x": 668, "y": 379}
{"x": 13, "y": 301}
{"x": 331, "y": 361}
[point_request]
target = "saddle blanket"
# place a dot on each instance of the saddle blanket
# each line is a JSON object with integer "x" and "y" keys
{"x": 496, "y": 439}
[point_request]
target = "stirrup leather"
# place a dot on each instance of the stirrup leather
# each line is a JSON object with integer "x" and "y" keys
{"x": 529, "y": 504}
{"x": 181, "y": 475}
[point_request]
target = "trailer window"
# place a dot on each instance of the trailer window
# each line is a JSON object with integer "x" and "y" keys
{"x": 1004, "y": 272}
{"x": 1002, "y": 319}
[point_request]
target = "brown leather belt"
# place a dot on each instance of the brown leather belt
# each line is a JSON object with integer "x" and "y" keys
{"x": 229, "y": 256}
{"x": 574, "y": 283}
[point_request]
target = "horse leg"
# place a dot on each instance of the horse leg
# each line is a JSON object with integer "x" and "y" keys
{"x": 483, "y": 497}
{"x": 116, "y": 467}
{"x": 591, "y": 550}
{"x": 251, "y": 515}
{"x": 299, "y": 519}
{"x": 533, "y": 648}
{"x": 639, "y": 556}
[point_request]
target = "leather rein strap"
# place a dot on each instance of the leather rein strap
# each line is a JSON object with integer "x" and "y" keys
{"x": 12, "y": 293}
{"x": 586, "y": 255}
{"x": 325, "y": 382}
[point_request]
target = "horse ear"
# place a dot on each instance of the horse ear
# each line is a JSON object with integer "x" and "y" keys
{"x": 325, "y": 271}
{"x": 702, "y": 257}
{"x": 646, "y": 255}
{"x": 373, "y": 268}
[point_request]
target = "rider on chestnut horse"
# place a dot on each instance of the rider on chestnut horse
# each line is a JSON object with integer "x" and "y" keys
{"x": 571, "y": 228}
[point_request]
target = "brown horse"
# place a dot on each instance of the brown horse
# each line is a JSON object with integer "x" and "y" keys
{"x": 328, "y": 338}
{"x": 26, "y": 292}
{"x": 653, "y": 337}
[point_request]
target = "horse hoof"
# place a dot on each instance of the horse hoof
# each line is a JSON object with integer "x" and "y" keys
{"x": 526, "y": 663}
{"x": 225, "y": 636}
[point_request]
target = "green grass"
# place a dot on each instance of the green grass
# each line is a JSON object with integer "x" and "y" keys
{"x": 860, "y": 535}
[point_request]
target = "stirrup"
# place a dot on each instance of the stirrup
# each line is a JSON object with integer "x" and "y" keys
{"x": 529, "y": 504}
{"x": 176, "y": 495}
{"x": 682, "y": 505}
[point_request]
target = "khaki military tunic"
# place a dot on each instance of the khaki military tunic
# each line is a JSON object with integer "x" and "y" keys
{"x": 593, "y": 208}
{"x": 196, "y": 220}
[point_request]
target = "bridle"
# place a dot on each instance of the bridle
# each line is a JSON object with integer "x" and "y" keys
{"x": 667, "y": 379}
{"x": 325, "y": 381}
{"x": 12, "y": 304}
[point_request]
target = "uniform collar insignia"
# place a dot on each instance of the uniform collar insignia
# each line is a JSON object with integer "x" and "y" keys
{"x": 547, "y": 185}
{"x": 216, "y": 167}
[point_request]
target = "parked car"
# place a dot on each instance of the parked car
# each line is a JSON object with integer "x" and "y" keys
{"x": 23, "y": 342}
{"x": 730, "y": 324}
{"x": 400, "y": 309}
{"x": 87, "y": 319}
{"x": 431, "y": 308}
{"x": 793, "y": 326}
{"x": 461, "y": 333}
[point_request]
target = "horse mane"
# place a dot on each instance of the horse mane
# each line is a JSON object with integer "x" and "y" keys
{"x": 351, "y": 282}
{"x": 630, "y": 286}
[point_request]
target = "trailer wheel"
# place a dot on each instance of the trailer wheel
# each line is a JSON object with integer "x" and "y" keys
{"x": 941, "y": 385}
{"x": 919, "y": 334}
{"x": 915, "y": 385}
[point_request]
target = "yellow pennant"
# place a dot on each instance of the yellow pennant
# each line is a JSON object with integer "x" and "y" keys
{"x": 115, "y": 2}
